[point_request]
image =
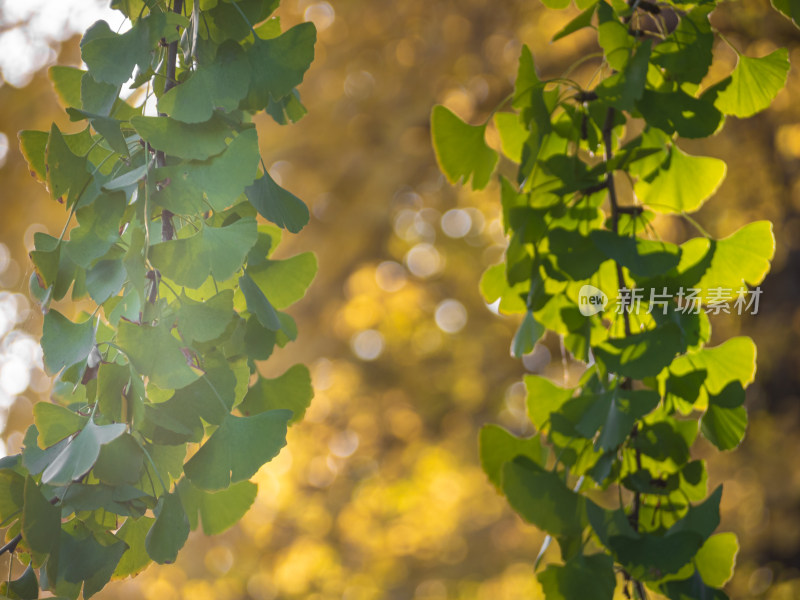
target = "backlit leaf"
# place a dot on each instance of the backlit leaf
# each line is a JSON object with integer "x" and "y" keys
{"x": 236, "y": 450}
{"x": 292, "y": 391}
{"x": 716, "y": 558}
{"x": 221, "y": 179}
{"x": 284, "y": 282}
{"x": 682, "y": 183}
{"x": 754, "y": 84}
{"x": 498, "y": 446}
{"x": 217, "y": 251}
{"x": 218, "y": 511}
{"x": 461, "y": 149}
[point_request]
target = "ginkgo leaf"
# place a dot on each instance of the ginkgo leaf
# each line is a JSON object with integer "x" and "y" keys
{"x": 155, "y": 353}
{"x": 277, "y": 204}
{"x": 498, "y": 446}
{"x": 133, "y": 532}
{"x": 731, "y": 262}
{"x": 218, "y": 511}
{"x": 97, "y": 231}
{"x": 461, "y": 148}
{"x": 586, "y": 577}
{"x": 169, "y": 531}
{"x": 237, "y": 449}
{"x": 682, "y": 183}
{"x": 221, "y": 179}
{"x": 55, "y": 422}
{"x": 41, "y": 521}
{"x": 258, "y": 304}
{"x": 754, "y": 84}
{"x": 219, "y": 85}
{"x": 284, "y": 282}
{"x": 65, "y": 343}
{"x": 110, "y": 56}
{"x": 716, "y": 558}
{"x": 80, "y": 454}
{"x": 205, "y": 321}
{"x": 789, "y": 8}
{"x": 542, "y": 498}
{"x": 217, "y": 251}
{"x": 279, "y": 64}
{"x": 292, "y": 391}
{"x": 193, "y": 141}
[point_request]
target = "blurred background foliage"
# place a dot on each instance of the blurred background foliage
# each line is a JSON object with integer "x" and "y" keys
{"x": 379, "y": 493}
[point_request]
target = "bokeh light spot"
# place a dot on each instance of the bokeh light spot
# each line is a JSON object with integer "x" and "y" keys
{"x": 390, "y": 276}
{"x": 321, "y": 14}
{"x": 451, "y": 316}
{"x": 368, "y": 344}
{"x": 456, "y": 223}
{"x": 424, "y": 260}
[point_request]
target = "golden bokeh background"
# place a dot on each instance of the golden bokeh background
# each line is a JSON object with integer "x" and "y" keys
{"x": 379, "y": 493}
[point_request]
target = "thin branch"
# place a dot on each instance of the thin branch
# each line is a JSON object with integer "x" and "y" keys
{"x": 167, "y": 228}
{"x": 608, "y": 127}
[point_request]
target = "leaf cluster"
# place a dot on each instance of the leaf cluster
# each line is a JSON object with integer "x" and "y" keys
{"x": 159, "y": 416}
{"x": 651, "y": 384}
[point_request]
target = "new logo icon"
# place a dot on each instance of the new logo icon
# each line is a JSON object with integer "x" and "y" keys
{"x": 591, "y": 300}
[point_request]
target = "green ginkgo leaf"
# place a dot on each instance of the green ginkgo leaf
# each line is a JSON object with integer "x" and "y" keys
{"x": 498, "y": 446}
{"x": 218, "y": 85}
{"x": 277, "y": 204}
{"x": 258, "y": 304}
{"x": 529, "y": 332}
{"x": 205, "y": 321}
{"x": 279, "y": 64}
{"x": 642, "y": 354}
{"x": 716, "y": 558}
{"x": 732, "y": 361}
{"x": 237, "y": 449}
{"x": 732, "y": 262}
{"x": 284, "y": 282}
{"x": 754, "y": 84}
{"x": 55, "y": 422}
{"x": 41, "y": 521}
{"x": 682, "y": 183}
{"x": 156, "y": 353}
{"x": 725, "y": 420}
{"x": 80, "y": 454}
{"x": 133, "y": 532}
{"x": 193, "y": 141}
{"x": 65, "y": 343}
{"x": 221, "y": 180}
{"x": 169, "y": 531}
{"x": 292, "y": 391}
{"x": 542, "y": 498}
{"x": 218, "y": 511}
{"x": 217, "y": 251}
{"x": 461, "y": 148}
{"x": 582, "y": 577}
{"x": 66, "y": 84}
{"x": 789, "y": 8}
{"x": 67, "y": 173}
{"x": 98, "y": 229}
{"x": 111, "y": 57}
